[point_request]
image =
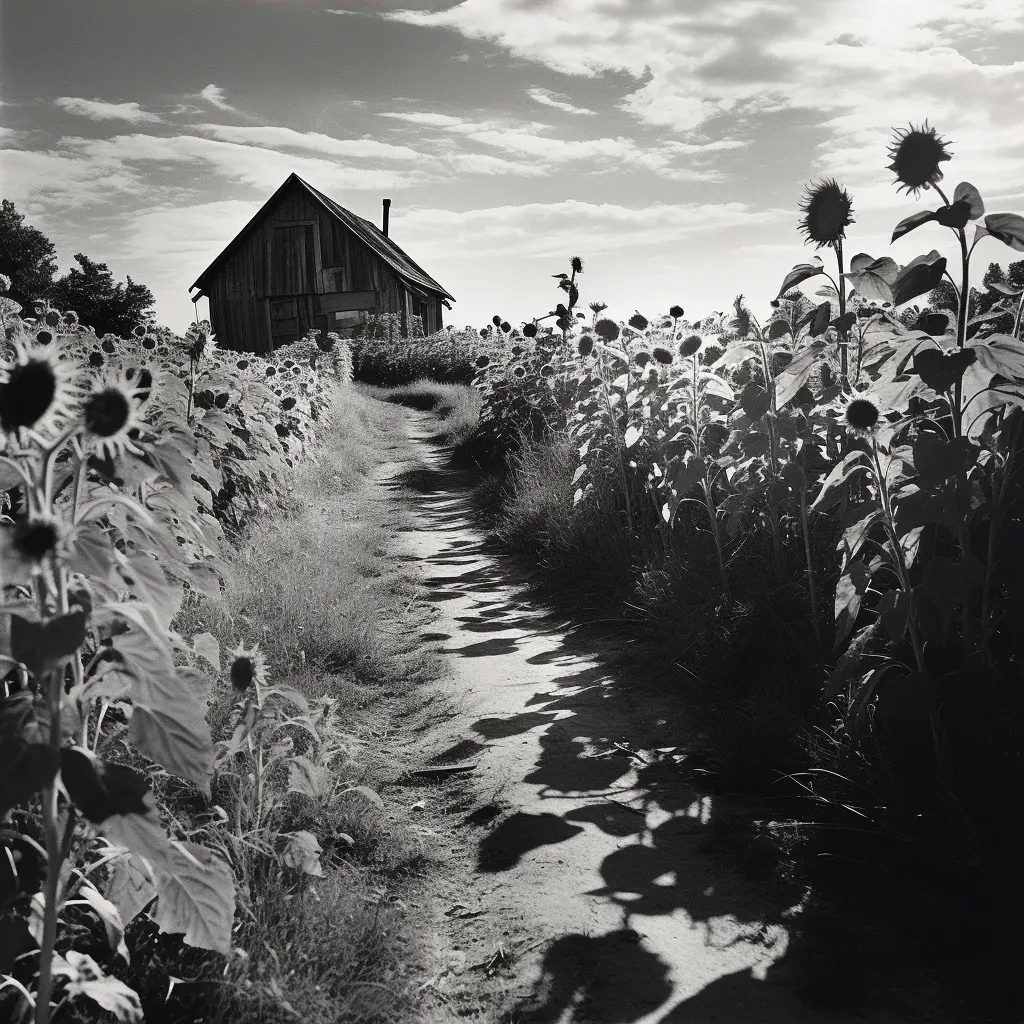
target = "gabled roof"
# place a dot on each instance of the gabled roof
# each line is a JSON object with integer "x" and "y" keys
{"x": 367, "y": 232}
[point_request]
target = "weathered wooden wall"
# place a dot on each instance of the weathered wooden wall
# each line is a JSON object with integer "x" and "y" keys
{"x": 267, "y": 291}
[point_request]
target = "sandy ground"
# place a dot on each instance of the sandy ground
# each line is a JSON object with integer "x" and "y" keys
{"x": 583, "y": 883}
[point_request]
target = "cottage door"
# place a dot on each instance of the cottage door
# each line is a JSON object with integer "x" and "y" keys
{"x": 293, "y": 262}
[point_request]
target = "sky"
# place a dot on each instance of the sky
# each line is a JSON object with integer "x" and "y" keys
{"x": 666, "y": 142}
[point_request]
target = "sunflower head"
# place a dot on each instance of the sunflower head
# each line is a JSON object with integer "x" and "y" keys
{"x": 827, "y": 212}
{"x": 547, "y": 370}
{"x": 529, "y": 330}
{"x": 661, "y": 355}
{"x": 247, "y": 667}
{"x": 642, "y": 358}
{"x": 607, "y": 329}
{"x": 585, "y": 345}
{"x": 861, "y": 416}
{"x": 37, "y": 385}
{"x": 577, "y": 265}
{"x": 35, "y": 538}
{"x": 690, "y": 346}
{"x": 110, "y": 414}
{"x": 916, "y": 154}
{"x": 598, "y": 307}
{"x": 638, "y": 322}
{"x": 675, "y": 312}
{"x": 519, "y": 372}
{"x": 482, "y": 362}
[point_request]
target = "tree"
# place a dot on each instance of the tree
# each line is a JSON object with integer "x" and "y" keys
{"x": 27, "y": 257}
{"x": 943, "y": 296}
{"x": 106, "y": 307}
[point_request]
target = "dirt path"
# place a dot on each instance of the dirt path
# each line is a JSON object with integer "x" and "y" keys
{"x": 581, "y": 855}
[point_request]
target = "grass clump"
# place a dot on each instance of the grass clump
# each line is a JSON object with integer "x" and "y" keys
{"x": 456, "y": 406}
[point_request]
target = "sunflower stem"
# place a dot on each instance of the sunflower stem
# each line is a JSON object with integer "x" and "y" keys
{"x": 844, "y": 334}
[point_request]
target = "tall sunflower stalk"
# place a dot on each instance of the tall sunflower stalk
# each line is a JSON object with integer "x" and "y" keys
{"x": 827, "y": 210}
{"x": 916, "y": 155}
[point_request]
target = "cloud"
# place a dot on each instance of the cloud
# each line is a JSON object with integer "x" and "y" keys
{"x": 708, "y": 61}
{"x": 557, "y": 100}
{"x": 62, "y": 179}
{"x": 214, "y": 95}
{"x": 553, "y": 229}
{"x": 100, "y": 110}
{"x": 263, "y": 169}
{"x": 533, "y": 141}
{"x": 313, "y": 142}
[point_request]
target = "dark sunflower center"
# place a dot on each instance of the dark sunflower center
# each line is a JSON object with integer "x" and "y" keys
{"x": 861, "y": 414}
{"x": 663, "y": 356}
{"x": 916, "y": 156}
{"x": 28, "y": 393}
{"x": 106, "y": 412}
{"x": 688, "y": 346}
{"x": 827, "y": 212}
{"x": 35, "y": 539}
{"x": 242, "y": 673}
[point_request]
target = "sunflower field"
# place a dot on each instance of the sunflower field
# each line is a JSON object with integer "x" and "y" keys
{"x": 847, "y": 473}
{"x": 125, "y": 464}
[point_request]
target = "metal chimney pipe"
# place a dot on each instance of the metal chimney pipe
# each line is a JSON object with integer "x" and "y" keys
{"x": 387, "y": 215}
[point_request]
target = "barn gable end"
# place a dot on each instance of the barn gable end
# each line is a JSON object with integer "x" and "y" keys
{"x": 302, "y": 263}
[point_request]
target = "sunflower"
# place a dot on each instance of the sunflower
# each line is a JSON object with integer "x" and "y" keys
{"x": 690, "y": 346}
{"x": 675, "y": 312}
{"x": 661, "y": 355}
{"x": 529, "y": 330}
{"x": 607, "y": 329}
{"x": 482, "y": 362}
{"x": 547, "y": 370}
{"x": 519, "y": 372}
{"x": 111, "y": 414}
{"x": 638, "y": 321}
{"x": 37, "y": 388}
{"x": 916, "y": 154}
{"x": 247, "y": 667}
{"x": 33, "y": 539}
{"x": 861, "y": 416}
{"x": 585, "y": 345}
{"x": 642, "y": 358}
{"x": 827, "y": 212}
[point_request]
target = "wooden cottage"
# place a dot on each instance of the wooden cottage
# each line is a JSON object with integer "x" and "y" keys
{"x": 305, "y": 262}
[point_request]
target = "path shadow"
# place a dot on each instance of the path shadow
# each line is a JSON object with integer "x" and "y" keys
{"x": 517, "y": 835}
{"x": 610, "y": 979}
{"x": 607, "y": 729}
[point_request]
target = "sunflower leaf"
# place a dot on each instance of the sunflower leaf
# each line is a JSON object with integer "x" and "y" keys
{"x": 873, "y": 279}
{"x": 1008, "y": 228}
{"x": 920, "y": 275}
{"x": 915, "y": 220}
{"x": 966, "y": 192}
{"x": 801, "y": 272}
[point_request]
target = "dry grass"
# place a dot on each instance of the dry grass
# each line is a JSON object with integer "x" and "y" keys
{"x": 335, "y": 617}
{"x": 456, "y": 406}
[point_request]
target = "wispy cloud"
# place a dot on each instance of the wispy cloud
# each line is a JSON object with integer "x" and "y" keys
{"x": 272, "y": 137}
{"x": 214, "y": 95}
{"x": 101, "y": 110}
{"x": 557, "y": 100}
{"x": 554, "y": 229}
